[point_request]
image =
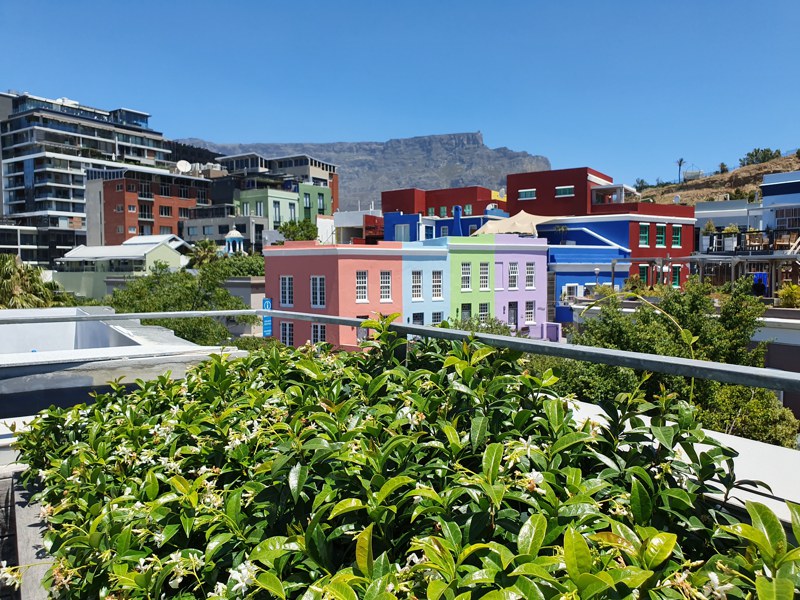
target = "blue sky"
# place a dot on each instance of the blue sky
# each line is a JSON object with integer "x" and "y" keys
{"x": 626, "y": 87}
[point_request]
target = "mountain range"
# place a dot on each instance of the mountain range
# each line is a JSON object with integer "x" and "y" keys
{"x": 427, "y": 162}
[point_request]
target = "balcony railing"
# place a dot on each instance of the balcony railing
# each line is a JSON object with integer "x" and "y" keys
{"x": 749, "y": 242}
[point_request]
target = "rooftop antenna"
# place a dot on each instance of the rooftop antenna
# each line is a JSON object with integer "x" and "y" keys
{"x": 183, "y": 166}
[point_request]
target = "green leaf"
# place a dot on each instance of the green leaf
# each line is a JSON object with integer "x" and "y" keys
{"x": 590, "y": 585}
{"x": 215, "y": 543}
{"x": 452, "y": 438}
{"x": 272, "y": 584}
{"x": 436, "y": 587}
{"x": 340, "y": 591}
{"x": 479, "y": 576}
{"x": 794, "y": 509}
{"x": 569, "y": 440}
{"x": 266, "y": 552}
{"x": 310, "y": 369}
{"x": 531, "y": 535}
{"x": 687, "y": 337}
{"x": 766, "y": 522}
{"x": 151, "y": 485}
{"x": 775, "y": 589}
{"x": 390, "y": 486}
{"x": 492, "y": 457}
{"x": 576, "y": 554}
{"x": 345, "y": 506}
{"x": 477, "y": 431}
{"x": 180, "y": 484}
{"x": 665, "y": 435}
{"x": 615, "y": 541}
{"x": 480, "y": 354}
{"x": 364, "y": 558}
{"x": 658, "y": 549}
{"x": 297, "y": 479}
{"x": 641, "y": 505}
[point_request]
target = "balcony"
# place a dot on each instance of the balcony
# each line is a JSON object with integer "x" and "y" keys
{"x": 751, "y": 243}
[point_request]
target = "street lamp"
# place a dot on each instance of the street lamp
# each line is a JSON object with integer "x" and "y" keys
{"x": 596, "y": 277}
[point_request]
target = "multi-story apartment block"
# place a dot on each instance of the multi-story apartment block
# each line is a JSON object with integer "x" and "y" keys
{"x": 133, "y": 201}
{"x": 47, "y": 146}
{"x": 474, "y": 200}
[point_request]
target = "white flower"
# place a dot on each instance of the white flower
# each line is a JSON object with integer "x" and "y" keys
{"x": 714, "y": 590}
{"x": 220, "y": 591}
{"x": 175, "y": 581}
{"x": 244, "y": 575}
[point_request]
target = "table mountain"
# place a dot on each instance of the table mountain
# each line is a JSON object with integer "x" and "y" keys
{"x": 428, "y": 162}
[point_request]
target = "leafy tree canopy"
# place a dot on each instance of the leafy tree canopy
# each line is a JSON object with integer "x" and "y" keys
{"x": 759, "y": 155}
{"x": 21, "y": 285}
{"x": 295, "y": 231}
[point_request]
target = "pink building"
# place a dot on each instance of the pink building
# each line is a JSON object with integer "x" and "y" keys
{"x": 341, "y": 280}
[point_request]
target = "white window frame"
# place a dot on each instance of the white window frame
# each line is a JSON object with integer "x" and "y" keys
{"x": 386, "y": 286}
{"x": 678, "y": 228}
{"x": 647, "y": 225}
{"x": 287, "y": 333}
{"x": 567, "y": 288}
{"x": 466, "y": 277}
{"x": 520, "y": 194}
{"x": 318, "y": 333}
{"x": 437, "y": 317}
{"x": 483, "y": 311}
{"x": 483, "y": 276}
{"x": 444, "y": 231}
{"x": 436, "y": 285}
{"x": 318, "y": 291}
{"x": 530, "y": 312}
{"x": 362, "y": 287}
{"x": 287, "y": 292}
{"x": 513, "y": 275}
{"x": 664, "y": 225}
{"x": 416, "y": 286}
{"x": 530, "y": 276}
{"x": 565, "y": 195}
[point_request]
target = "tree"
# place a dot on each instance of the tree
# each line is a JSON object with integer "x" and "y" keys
{"x": 640, "y": 184}
{"x": 21, "y": 285}
{"x": 680, "y": 162}
{"x": 759, "y": 155}
{"x": 723, "y": 337}
{"x": 203, "y": 253}
{"x": 723, "y": 168}
{"x": 295, "y": 231}
{"x": 234, "y": 265}
{"x": 163, "y": 290}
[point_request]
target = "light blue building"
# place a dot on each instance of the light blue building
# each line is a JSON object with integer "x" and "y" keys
{"x": 426, "y": 277}
{"x": 781, "y": 201}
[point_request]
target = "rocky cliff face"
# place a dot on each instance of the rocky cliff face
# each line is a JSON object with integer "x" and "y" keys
{"x": 427, "y": 162}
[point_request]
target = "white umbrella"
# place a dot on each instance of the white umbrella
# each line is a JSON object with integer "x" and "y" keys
{"x": 521, "y": 223}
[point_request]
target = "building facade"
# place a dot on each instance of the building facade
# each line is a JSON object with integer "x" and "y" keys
{"x": 474, "y": 200}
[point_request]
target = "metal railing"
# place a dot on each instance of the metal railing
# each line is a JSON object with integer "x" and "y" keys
{"x": 774, "y": 379}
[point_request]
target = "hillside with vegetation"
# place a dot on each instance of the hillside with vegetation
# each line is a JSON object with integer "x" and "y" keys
{"x": 740, "y": 183}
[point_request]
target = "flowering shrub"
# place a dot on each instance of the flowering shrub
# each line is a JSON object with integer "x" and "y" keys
{"x": 309, "y": 474}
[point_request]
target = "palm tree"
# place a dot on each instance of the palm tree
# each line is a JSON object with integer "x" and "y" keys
{"x": 21, "y": 285}
{"x": 680, "y": 162}
{"x": 204, "y": 252}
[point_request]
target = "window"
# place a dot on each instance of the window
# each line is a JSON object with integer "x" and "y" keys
{"x": 436, "y": 285}
{"x": 120, "y": 229}
{"x": 192, "y": 230}
{"x": 431, "y": 211}
{"x": 259, "y": 209}
{"x": 165, "y": 211}
{"x": 418, "y": 319}
{"x": 361, "y": 286}
{"x": 183, "y": 191}
{"x": 565, "y": 191}
{"x": 287, "y": 333}
{"x": 165, "y": 230}
{"x": 386, "y": 286}
{"x": 287, "y": 290}
{"x": 677, "y": 231}
{"x": 529, "y": 194}
{"x": 442, "y": 211}
{"x": 119, "y": 187}
{"x": 307, "y": 200}
{"x": 513, "y": 275}
{"x": 437, "y": 318}
{"x": 132, "y": 208}
{"x": 483, "y": 312}
{"x": 466, "y": 277}
{"x": 208, "y": 230}
{"x": 676, "y": 275}
{"x": 402, "y": 232}
{"x": 571, "y": 291}
{"x": 444, "y": 231}
{"x": 318, "y": 291}
{"x": 131, "y": 187}
{"x": 643, "y": 273}
{"x": 292, "y": 212}
{"x": 318, "y": 333}
{"x": 416, "y": 285}
{"x": 321, "y": 204}
{"x": 223, "y": 229}
{"x": 530, "y": 276}
{"x": 245, "y": 209}
{"x": 466, "y": 311}
{"x": 530, "y": 311}
{"x": 201, "y": 196}
{"x": 468, "y": 210}
{"x": 483, "y": 276}
{"x": 276, "y": 212}
{"x": 644, "y": 234}
{"x": 165, "y": 189}
{"x": 119, "y": 208}
{"x": 661, "y": 236}
{"x": 132, "y": 229}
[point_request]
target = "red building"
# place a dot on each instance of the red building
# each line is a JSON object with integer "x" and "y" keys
{"x": 439, "y": 203}
{"x": 124, "y": 203}
{"x": 562, "y": 192}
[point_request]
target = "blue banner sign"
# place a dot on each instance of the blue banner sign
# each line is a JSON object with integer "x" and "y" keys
{"x": 266, "y": 324}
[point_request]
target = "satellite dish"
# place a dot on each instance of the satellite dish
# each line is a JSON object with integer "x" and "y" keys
{"x": 676, "y": 199}
{"x": 183, "y": 166}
